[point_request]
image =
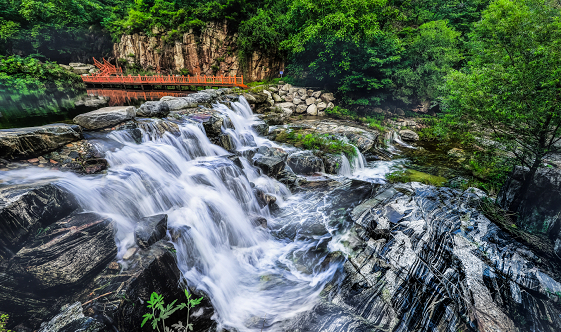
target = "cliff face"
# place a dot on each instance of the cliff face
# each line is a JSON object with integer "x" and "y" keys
{"x": 213, "y": 51}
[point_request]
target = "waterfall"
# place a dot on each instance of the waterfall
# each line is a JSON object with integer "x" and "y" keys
{"x": 345, "y": 169}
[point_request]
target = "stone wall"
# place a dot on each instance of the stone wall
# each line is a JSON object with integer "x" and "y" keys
{"x": 213, "y": 51}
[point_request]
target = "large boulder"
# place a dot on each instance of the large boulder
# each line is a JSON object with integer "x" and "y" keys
{"x": 179, "y": 103}
{"x": 327, "y": 97}
{"x": 332, "y": 163}
{"x": 155, "y": 109}
{"x": 33, "y": 141}
{"x": 312, "y": 110}
{"x": 408, "y": 135}
{"x": 201, "y": 97}
{"x": 105, "y": 117}
{"x": 270, "y": 160}
{"x": 61, "y": 260}
{"x": 25, "y": 211}
{"x": 260, "y": 127}
{"x": 150, "y": 230}
{"x": 541, "y": 209}
{"x": 305, "y": 163}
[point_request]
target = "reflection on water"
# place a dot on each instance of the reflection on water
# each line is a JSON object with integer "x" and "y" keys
{"x": 18, "y": 110}
{"x": 133, "y": 97}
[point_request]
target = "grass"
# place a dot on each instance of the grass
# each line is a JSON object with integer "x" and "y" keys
{"x": 272, "y": 81}
{"x": 410, "y": 175}
{"x": 322, "y": 142}
{"x": 374, "y": 121}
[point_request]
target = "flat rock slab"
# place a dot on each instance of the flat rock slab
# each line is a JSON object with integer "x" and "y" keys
{"x": 105, "y": 117}
{"x": 34, "y": 141}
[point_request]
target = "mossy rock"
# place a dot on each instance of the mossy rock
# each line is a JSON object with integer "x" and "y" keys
{"x": 411, "y": 175}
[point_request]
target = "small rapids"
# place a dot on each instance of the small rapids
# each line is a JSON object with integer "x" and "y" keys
{"x": 255, "y": 277}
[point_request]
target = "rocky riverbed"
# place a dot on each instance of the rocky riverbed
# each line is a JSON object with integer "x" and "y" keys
{"x": 203, "y": 193}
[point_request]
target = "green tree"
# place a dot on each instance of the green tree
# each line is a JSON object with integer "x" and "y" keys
{"x": 430, "y": 55}
{"x": 511, "y": 88}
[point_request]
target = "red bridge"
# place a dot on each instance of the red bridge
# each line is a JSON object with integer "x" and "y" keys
{"x": 111, "y": 76}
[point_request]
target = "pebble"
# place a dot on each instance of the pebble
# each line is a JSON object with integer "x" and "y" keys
{"x": 128, "y": 255}
{"x": 33, "y": 160}
{"x": 53, "y": 162}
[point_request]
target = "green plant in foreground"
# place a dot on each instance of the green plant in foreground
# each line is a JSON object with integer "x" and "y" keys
{"x": 3, "y": 322}
{"x": 161, "y": 312}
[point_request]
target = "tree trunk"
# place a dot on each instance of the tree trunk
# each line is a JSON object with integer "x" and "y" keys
{"x": 528, "y": 179}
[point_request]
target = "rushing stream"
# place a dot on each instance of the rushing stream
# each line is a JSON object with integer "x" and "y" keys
{"x": 253, "y": 276}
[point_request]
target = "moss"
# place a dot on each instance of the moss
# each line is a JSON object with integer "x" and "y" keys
{"x": 411, "y": 175}
{"x": 313, "y": 141}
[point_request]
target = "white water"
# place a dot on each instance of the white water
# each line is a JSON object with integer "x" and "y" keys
{"x": 249, "y": 274}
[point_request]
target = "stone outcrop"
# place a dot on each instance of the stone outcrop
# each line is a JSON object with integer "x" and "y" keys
{"x": 213, "y": 51}
{"x": 34, "y": 141}
{"x": 24, "y": 211}
{"x": 408, "y": 135}
{"x": 540, "y": 211}
{"x": 155, "y": 109}
{"x": 150, "y": 230}
{"x": 105, "y": 117}
{"x": 305, "y": 163}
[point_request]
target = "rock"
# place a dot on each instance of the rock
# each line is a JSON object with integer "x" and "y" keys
{"x": 250, "y": 98}
{"x": 178, "y": 103}
{"x": 302, "y": 92}
{"x": 269, "y": 165}
{"x": 34, "y": 141}
{"x": 288, "y": 105}
{"x": 316, "y": 94}
{"x": 212, "y": 92}
{"x": 332, "y": 163}
{"x": 277, "y": 98}
{"x": 327, "y": 97}
{"x": 297, "y": 101}
{"x": 309, "y": 92}
{"x": 105, "y": 117}
{"x": 25, "y": 211}
{"x": 68, "y": 253}
{"x": 227, "y": 142}
{"x": 289, "y": 98}
{"x": 286, "y": 87}
{"x": 150, "y": 230}
{"x": 301, "y": 109}
{"x": 312, "y": 110}
{"x": 305, "y": 163}
{"x": 259, "y": 222}
{"x": 273, "y": 89}
{"x": 399, "y": 112}
{"x": 260, "y": 127}
{"x": 408, "y": 135}
{"x": 213, "y": 125}
{"x": 268, "y": 151}
{"x": 321, "y": 106}
{"x": 81, "y": 70}
{"x": 310, "y": 101}
{"x": 72, "y": 319}
{"x": 541, "y": 208}
{"x": 330, "y": 106}
{"x": 201, "y": 97}
{"x": 155, "y": 109}
{"x": 456, "y": 153}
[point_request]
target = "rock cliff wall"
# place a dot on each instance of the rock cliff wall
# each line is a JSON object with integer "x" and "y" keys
{"x": 213, "y": 51}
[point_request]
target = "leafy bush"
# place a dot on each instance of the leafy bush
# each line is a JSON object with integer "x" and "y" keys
{"x": 28, "y": 75}
{"x": 161, "y": 312}
{"x": 3, "y": 323}
{"x": 321, "y": 142}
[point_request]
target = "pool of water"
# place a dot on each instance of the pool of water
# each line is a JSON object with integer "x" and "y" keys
{"x": 18, "y": 110}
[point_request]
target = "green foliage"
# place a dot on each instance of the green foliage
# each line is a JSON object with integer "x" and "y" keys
{"x": 410, "y": 175}
{"x": 429, "y": 57}
{"x": 511, "y": 86}
{"x": 161, "y": 312}
{"x": 3, "y": 322}
{"x": 29, "y": 76}
{"x": 322, "y": 142}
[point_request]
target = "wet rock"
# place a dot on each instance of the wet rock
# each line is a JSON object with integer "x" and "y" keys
{"x": 259, "y": 222}
{"x": 269, "y": 151}
{"x": 456, "y": 153}
{"x": 213, "y": 126}
{"x": 34, "y": 141}
{"x": 417, "y": 247}
{"x": 105, "y": 117}
{"x": 157, "y": 128}
{"x": 305, "y": 163}
{"x": 60, "y": 261}
{"x": 260, "y": 127}
{"x": 150, "y": 230}
{"x": 155, "y": 109}
{"x": 68, "y": 253}
{"x": 72, "y": 319}
{"x": 179, "y": 103}
{"x": 408, "y": 135}
{"x": 201, "y": 97}
{"x": 541, "y": 209}
{"x": 227, "y": 142}
{"x": 25, "y": 211}
{"x": 271, "y": 166}
{"x": 263, "y": 198}
{"x": 332, "y": 163}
